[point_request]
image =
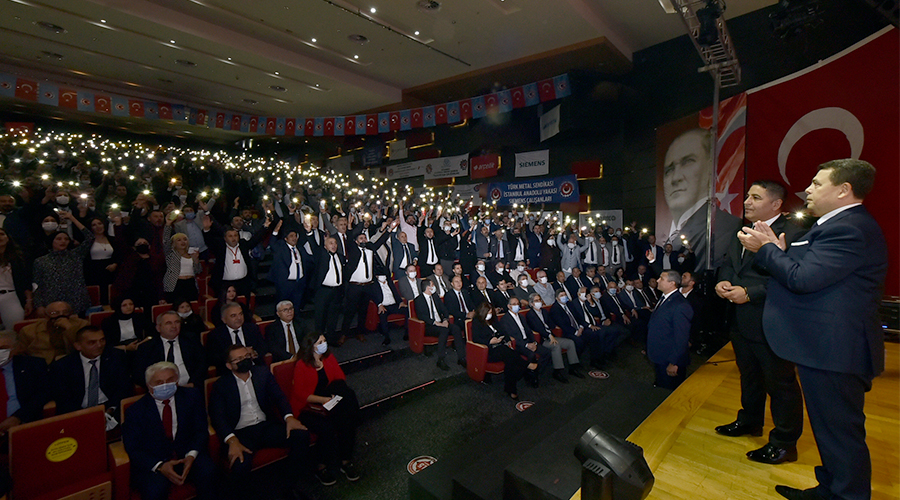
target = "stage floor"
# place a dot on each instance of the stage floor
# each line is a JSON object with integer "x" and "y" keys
{"x": 689, "y": 460}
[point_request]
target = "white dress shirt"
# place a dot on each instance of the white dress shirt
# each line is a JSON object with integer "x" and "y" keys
{"x": 235, "y": 264}
{"x": 86, "y": 367}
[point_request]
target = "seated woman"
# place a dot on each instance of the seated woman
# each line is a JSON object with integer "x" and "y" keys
{"x": 228, "y": 295}
{"x": 191, "y": 323}
{"x": 317, "y": 380}
{"x": 484, "y": 332}
{"x": 125, "y": 329}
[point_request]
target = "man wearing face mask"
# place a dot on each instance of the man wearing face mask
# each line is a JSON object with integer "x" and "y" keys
{"x": 543, "y": 288}
{"x": 538, "y": 320}
{"x": 498, "y": 274}
{"x": 616, "y": 254}
{"x": 26, "y": 376}
{"x": 570, "y": 317}
{"x": 185, "y": 351}
{"x": 234, "y": 330}
{"x": 363, "y": 264}
{"x": 550, "y": 255}
{"x": 166, "y": 436}
{"x": 571, "y": 249}
{"x": 480, "y": 272}
{"x": 448, "y": 244}
{"x": 441, "y": 281}
{"x": 535, "y": 243}
{"x": 514, "y": 325}
{"x": 431, "y": 310}
{"x": 429, "y": 241}
{"x": 250, "y": 412}
{"x": 520, "y": 272}
{"x": 576, "y": 281}
{"x": 410, "y": 284}
{"x": 523, "y": 290}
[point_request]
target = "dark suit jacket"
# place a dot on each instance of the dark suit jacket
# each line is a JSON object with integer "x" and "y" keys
{"x": 451, "y": 301}
{"x": 669, "y": 331}
{"x": 499, "y": 300}
{"x": 533, "y": 251}
{"x": 378, "y": 294}
{"x": 354, "y": 255}
{"x": 282, "y": 259}
{"x": 746, "y": 318}
{"x": 478, "y": 297}
{"x": 572, "y": 284}
{"x": 406, "y": 288}
{"x": 215, "y": 240}
{"x": 822, "y": 303}
{"x": 536, "y": 325}
{"x": 482, "y": 334}
{"x": 154, "y": 351}
{"x": 321, "y": 258}
{"x": 397, "y": 252}
{"x": 31, "y": 380}
{"x": 219, "y": 340}
{"x": 561, "y": 319}
{"x": 610, "y": 306}
{"x": 145, "y": 439}
{"x": 695, "y": 229}
{"x": 67, "y": 380}
{"x": 113, "y": 332}
{"x": 424, "y": 313}
{"x": 508, "y": 326}
{"x": 276, "y": 342}
{"x": 225, "y": 400}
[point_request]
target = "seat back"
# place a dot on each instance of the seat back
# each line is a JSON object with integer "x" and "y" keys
{"x": 207, "y": 389}
{"x": 58, "y": 456}
{"x": 94, "y": 294}
{"x": 125, "y": 404}
{"x": 96, "y": 318}
{"x": 208, "y": 308}
{"x": 159, "y": 309}
{"x": 263, "y": 325}
{"x": 283, "y": 371}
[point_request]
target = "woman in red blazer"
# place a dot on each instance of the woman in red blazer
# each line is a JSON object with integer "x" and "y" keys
{"x": 318, "y": 382}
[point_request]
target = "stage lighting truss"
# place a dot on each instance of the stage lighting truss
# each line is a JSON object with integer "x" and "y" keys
{"x": 719, "y": 57}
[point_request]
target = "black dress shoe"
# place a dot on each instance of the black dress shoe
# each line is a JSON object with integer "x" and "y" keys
{"x": 461, "y": 362}
{"x": 737, "y": 428}
{"x": 795, "y": 494}
{"x": 533, "y": 378}
{"x": 442, "y": 364}
{"x": 771, "y": 454}
{"x": 575, "y": 372}
{"x": 561, "y": 376}
{"x": 386, "y": 341}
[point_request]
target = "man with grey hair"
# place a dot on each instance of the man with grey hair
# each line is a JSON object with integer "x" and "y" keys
{"x": 543, "y": 288}
{"x": 166, "y": 436}
{"x": 283, "y": 337}
{"x": 539, "y": 321}
{"x": 668, "y": 333}
{"x": 186, "y": 352}
{"x": 234, "y": 330}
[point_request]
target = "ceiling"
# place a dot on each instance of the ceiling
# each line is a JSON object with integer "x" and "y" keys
{"x": 301, "y": 58}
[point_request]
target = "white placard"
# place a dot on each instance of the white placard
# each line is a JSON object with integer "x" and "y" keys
{"x": 533, "y": 163}
{"x": 550, "y": 123}
{"x": 449, "y": 166}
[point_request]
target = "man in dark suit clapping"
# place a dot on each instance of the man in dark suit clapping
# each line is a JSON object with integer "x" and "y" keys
{"x": 668, "y": 333}
{"x": 821, "y": 312}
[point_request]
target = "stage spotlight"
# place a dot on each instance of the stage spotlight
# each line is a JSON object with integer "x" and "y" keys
{"x": 612, "y": 468}
{"x": 708, "y": 18}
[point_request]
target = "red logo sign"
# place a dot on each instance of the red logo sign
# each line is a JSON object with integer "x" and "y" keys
{"x": 567, "y": 188}
{"x": 524, "y": 405}
{"x": 495, "y": 194}
{"x": 419, "y": 463}
{"x": 485, "y": 166}
{"x": 598, "y": 374}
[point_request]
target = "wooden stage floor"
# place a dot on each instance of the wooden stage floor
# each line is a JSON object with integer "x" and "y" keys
{"x": 689, "y": 460}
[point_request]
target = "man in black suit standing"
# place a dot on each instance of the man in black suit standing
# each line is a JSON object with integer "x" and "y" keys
{"x": 234, "y": 331}
{"x": 185, "y": 352}
{"x": 363, "y": 264}
{"x": 166, "y": 436}
{"x": 669, "y": 332}
{"x": 90, "y": 376}
{"x": 283, "y": 337}
{"x": 250, "y": 412}
{"x": 743, "y": 284}
{"x": 821, "y": 312}
{"x": 29, "y": 383}
{"x": 290, "y": 264}
{"x": 328, "y": 287}
{"x": 431, "y": 310}
{"x": 232, "y": 255}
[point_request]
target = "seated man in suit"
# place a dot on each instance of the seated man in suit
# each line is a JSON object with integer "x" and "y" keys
{"x": 410, "y": 284}
{"x": 520, "y": 272}
{"x": 234, "y": 330}
{"x": 539, "y": 321}
{"x": 669, "y": 333}
{"x": 595, "y": 318}
{"x": 404, "y": 254}
{"x": 458, "y": 271}
{"x": 431, "y": 310}
{"x": 185, "y": 351}
{"x": 584, "y": 333}
{"x": 458, "y": 302}
{"x": 612, "y": 303}
{"x": 524, "y": 288}
{"x": 499, "y": 274}
{"x": 440, "y": 280}
{"x": 560, "y": 284}
{"x": 481, "y": 293}
{"x": 576, "y": 281}
{"x": 389, "y": 303}
{"x": 250, "y": 412}
{"x": 502, "y": 293}
{"x": 91, "y": 376}
{"x": 514, "y": 326}
{"x": 52, "y": 336}
{"x": 25, "y": 380}
{"x": 283, "y": 337}
{"x": 166, "y": 436}
{"x": 480, "y": 272}
{"x": 545, "y": 289}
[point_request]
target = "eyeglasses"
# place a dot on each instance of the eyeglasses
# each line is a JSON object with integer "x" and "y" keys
{"x": 55, "y": 314}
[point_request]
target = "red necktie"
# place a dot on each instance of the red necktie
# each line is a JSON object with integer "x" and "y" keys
{"x": 4, "y": 396}
{"x": 167, "y": 419}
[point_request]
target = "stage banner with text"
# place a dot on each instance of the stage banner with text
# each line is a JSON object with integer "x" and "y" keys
{"x": 553, "y": 190}
{"x": 484, "y": 167}
{"x": 823, "y": 113}
{"x": 450, "y": 166}
{"x": 533, "y": 163}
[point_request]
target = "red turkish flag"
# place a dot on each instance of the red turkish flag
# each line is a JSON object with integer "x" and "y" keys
{"x": 822, "y": 114}
{"x": 395, "y": 120}
{"x": 416, "y": 118}
{"x": 26, "y": 89}
{"x": 465, "y": 109}
{"x": 102, "y": 104}
{"x": 254, "y": 123}
{"x": 290, "y": 126}
{"x": 547, "y": 90}
{"x": 165, "y": 111}
{"x": 68, "y": 98}
{"x": 440, "y": 114}
{"x": 309, "y": 127}
{"x": 518, "y": 97}
{"x": 349, "y": 125}
{"x": 135, "y": 107}
{"x": 491, "y": 102}
{"x": 328, "y": 123}
{"x": 371, "y": 124}
{"x": 220, "y": 120}
{"x": 236, "y": 123}
{"x": 201, "y": 117}
{"x": 270, "y": 125}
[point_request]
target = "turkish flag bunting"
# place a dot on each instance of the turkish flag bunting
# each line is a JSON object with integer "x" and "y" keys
{"x": 371, "y": 124}
{"x": 518, "y": 97}
{"x": 102, "y": 104}
{"x": 165, "y": 111}
{"x": 547, "y": 90}
{"x": 350, "y": 125}
{"x": 416, "y": 118}
{"x": 290, "y": 126}
{"x": 135, "y": 108}
{"x": 309, "y": 127}
{"x": 440, "y": 114}
{"x": 329, "y": 126}
{"x": 26, "y": 89}
{"x": 395, "y": 120}
{"x": 236, "y": 122}
{"x": 270, "y": 125}
{"x": 220, "y": 120}
{"x": 201, "y": 117}
{"x": 465, "y": 109}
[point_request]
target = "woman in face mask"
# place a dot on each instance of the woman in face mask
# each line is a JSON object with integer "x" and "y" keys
{"x": 135, "y": 278}
{"x": 191, "y": 323}
{"x": 320, "y": 383}
{"x": 550, "y": 255}
{"x": 487, "y": 332}
{"x": 126, "y": 328}
{"x": 620, "y": 277}
{"x": 59, "y": 275}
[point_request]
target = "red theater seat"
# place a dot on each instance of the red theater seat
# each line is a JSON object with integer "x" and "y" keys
{"x": 477, "y": 364}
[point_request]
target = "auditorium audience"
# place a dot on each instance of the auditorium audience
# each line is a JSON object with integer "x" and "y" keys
{"x": 185, "y": 351}
{"x": 26, "y": 380}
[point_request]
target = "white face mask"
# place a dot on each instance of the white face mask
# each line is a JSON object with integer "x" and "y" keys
{"x": 570, "y": 245}
{"x": 411, "y": 274}
{"x": 500, "y": 270}
{"x": 50, "y": 226}
{"x": 521, "y": 269}
{"x": 488, "y": 317}
{"x": 630, "y": 288}
{"x": 514, "y": 309}
{"x": 62, "y": 200}
{"x": 537, "y": 305}
{"x": 321, "y": 348}
{"x": 432, "y": 289}
{"x": 185, "y": 314}
{"x": 480, "y": 267}
{"x": 523, "y": 283}
{"x": 582, "y": 296}
{"x": 596, "y": 295}
{"x": 681, "y": 260}
{"x": 543, "y": 280}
